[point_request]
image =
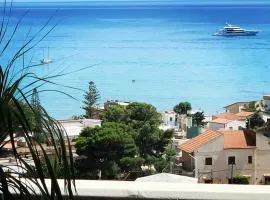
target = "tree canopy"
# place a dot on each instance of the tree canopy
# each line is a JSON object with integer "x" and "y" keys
{"x": 255, "y": 121}
{"x": 182, "y": 108}
{"x": 109, "y": 148}
{"x": 198, "y": 119}
{"x": 134, "y": 133}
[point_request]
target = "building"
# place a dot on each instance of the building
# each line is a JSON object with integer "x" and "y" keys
{"x": 236, "y": 107}
{"x": 73, "y": 128}
{"x": 266, "y": 102}
{"x": 217, "y": 156}
{"x": 226, "y": 124}
{"x": 229, "y": 121}
{"x": 169, "y": 120}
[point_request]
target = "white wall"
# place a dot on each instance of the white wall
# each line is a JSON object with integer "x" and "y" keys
{"x": 266, "y": 104}
{"x": 234, "y": 125}
{"x": 169, "y": 119}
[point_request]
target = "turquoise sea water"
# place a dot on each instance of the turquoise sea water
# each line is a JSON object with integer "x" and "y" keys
{"x": 168, "y": 49}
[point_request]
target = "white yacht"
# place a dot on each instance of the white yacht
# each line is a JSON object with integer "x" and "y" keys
{"x": 232, "y": 30}
{"x": 46, "y": 60}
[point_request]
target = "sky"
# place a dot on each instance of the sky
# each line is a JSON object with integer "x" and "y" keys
{"x": 178, "y": 1}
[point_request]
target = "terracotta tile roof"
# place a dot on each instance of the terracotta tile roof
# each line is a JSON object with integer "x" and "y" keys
{"x": 199, "y": 140}
{"x": 220, "y": 121}
{"x": 228, "y": 115}
{"x": 244, "y": 114}
{"x": 238, "y": 140}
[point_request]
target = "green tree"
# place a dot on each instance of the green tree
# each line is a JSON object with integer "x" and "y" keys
{"x": 198, "y": 119}
{"x": 115, "y": 113}
{"x": 255, "y": 121}
{"x": 182, "y": 108}
{"x": 110, "y": 149}
{"x": 91, "y": 98}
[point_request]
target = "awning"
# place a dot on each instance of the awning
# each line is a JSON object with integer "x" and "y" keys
{"x": 266, "y": 175}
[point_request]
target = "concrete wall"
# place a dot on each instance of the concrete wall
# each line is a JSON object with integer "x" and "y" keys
{"x": 188, "y": 161}
{"x": 236, "y": 108}
{"x": 234, "y": 125}
{"x": 216, "y": 126}
{"x": 262, "y": 157}
{"x": 266, "y": 103}
{"x": 169, "y": 119}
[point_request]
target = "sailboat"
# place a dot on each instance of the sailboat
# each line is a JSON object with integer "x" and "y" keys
{"x": 46, "y": 60}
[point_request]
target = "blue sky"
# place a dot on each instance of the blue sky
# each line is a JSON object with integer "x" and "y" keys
{"x": 178, "y": 1}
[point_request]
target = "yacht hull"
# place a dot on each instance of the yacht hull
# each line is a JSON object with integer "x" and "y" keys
{"x": 246, "y": 33}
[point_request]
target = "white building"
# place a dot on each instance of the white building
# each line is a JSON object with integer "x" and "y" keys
{"x": 73, "y": 128}
{"x": 169, "y": 120}
{"x": 216, "y": 156}
{"x": 225, "y": 124}
{"x": 266, "y": 102}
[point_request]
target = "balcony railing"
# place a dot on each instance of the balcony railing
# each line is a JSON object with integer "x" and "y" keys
{"x": 87, "y": 190}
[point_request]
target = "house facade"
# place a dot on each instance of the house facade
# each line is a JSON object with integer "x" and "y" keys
{"x": 236, "y": 107}
{"x": 217, "y": 156}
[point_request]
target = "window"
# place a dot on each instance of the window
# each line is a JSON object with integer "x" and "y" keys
{"x": 231, "y": 160}
{"x": 249, "y": 159}
{"x": 208, "y": 161}
{"x": 171, "y": 119}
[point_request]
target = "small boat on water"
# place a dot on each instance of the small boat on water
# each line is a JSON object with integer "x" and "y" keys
{"x": 46, "y": 60}
{"x": 233, "y": 30}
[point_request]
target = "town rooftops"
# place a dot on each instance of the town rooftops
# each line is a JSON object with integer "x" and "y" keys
{"x": 239, "y": 139}
{"x": 220, "y": 121}
{"x": 228, "y": 115}
{"x": 244, "y": 114}
{"x": 199, "y": 140}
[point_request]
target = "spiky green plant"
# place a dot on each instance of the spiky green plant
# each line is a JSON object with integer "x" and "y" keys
{"x": 27, "y": 181}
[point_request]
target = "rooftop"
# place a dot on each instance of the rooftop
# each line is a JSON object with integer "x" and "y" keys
{"x": 244, "y": 114}
{"x": 199, "y": 140}
{"x": 228, "y": 115}
{"x": 238, "y": 140}
{"x": 220, "y": 121}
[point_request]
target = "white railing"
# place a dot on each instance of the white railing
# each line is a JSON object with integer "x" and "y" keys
{"x": 157, "y": 190}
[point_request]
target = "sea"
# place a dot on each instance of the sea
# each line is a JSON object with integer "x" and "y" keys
{"x": 158, "y": 52}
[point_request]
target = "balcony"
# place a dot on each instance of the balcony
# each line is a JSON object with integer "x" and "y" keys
{"x": 87, "y": 190}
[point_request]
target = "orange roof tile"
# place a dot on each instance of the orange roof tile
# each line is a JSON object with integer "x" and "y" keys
{"x": 220, "y": 121}
{"x": 237, "y": 140}
{"x": 199, "y": 140}
{"x": 228, "y": 115}
{"x": 244, "y": 114}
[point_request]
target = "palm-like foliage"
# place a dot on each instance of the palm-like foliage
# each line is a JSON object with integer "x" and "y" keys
{"x": 27, "y": 181}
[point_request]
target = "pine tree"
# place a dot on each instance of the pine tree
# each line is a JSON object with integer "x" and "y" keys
{"x": 91, "y": 99}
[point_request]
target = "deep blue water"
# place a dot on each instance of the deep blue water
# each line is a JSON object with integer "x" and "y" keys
{"x": 168, "y": 49}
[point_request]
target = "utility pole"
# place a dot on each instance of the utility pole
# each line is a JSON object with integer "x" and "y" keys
{"x": 232, "y": 173}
